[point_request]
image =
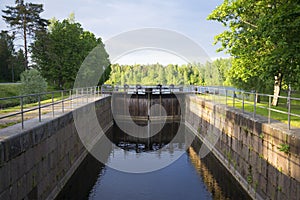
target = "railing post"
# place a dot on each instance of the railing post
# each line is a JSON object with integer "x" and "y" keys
{"x": 289, "y": 107}
{"x": 40, "y": 114}
{"x": 214, "y": 95}
{"x": 254, "y": 111}
{"x": 71, "y": 103}
{"x": 233, "y": 103}
{"x": 22, "y": 113}
{"x": 82, "y": 96}
{"x": 52, "y": 96}
{"x": 269, "y": 113}
{"x": 243, "y": 102}
{"x": 62, "y": 101}
{"x": 87, "y": 94}
{"x": 76, "y": 98}
{"x": 226, "y": 97}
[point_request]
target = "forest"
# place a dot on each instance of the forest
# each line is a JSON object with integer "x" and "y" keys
{"x": 211, "y": 73}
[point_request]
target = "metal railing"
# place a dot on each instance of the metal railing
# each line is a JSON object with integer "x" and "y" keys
{"x": 245, "y": 101}
{"x": 240, "y": 99}
{"x": 153, "y": 89}
{"x": 61, "y": 99}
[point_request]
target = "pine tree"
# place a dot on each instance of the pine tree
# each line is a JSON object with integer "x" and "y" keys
{"x": 24, "y": 19}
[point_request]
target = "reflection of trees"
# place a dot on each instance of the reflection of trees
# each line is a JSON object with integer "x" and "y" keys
{"x": 218, "y": 180}
{"x": 208, "y": 178}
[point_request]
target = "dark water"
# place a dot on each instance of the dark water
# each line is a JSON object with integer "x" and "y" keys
{"x": 186, "y": 178}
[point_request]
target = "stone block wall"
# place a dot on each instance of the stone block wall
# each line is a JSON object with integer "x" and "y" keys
{"x": 251, "y": 149}
{"x": 36, "y": 163}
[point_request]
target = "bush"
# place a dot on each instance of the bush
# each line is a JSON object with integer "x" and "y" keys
{"x": 32, "y": 83}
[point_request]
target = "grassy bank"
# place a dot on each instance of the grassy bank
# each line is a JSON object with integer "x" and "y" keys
{"x": 262, "y": 107}
{"x": 9, "y": 90}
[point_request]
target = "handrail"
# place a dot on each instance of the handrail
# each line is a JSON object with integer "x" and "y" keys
{"x": 224, "y": 94}
{"x": 241, "y": 96}
{"x": 65, "y": 96}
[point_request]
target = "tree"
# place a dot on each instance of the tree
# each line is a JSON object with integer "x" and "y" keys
{"x": 60, "y": 51}
{"x": 6, "y": 54}
{"x": 263, "y": 39}
{"x": 11, "y": 63}
{"x": 154, "y": 74}
{"x": 17, "y": 65}
{"x": 32, "y": 83}
{"x": 25, "y": 20}
{"x": 223, "y": 66}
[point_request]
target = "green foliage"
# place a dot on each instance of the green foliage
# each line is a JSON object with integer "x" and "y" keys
{"x": 284, "y": 148}
{"x": 24, "y": 19}
{"x": 61, "y": 50}
{"x": 194, "y": 74}
{"x": 263, "y": 38}
{"x": 32, "y": 83}
{"x": 11, "y": 63}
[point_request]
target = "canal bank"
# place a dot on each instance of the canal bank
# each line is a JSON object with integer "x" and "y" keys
{"x": 36, "y": 162}
{"x": 251, "y": 150}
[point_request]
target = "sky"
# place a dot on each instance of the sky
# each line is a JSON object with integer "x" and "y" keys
{"x": 108, "y": 18}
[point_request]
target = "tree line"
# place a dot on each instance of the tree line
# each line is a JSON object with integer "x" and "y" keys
{"x": 210, "y": 73}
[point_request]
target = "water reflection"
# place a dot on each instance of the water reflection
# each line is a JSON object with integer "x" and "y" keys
{"x": 219, "y": 182}
{"x": 187, "y": 177}
{"x": 156, "y": 142}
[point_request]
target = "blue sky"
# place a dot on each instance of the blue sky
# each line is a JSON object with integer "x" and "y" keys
{"x": 112, "y": 17}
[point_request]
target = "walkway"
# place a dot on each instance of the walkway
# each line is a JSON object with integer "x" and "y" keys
{"x": 47, "y": 110}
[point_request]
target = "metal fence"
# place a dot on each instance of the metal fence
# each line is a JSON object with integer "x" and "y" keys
{"x": 68, "y": 99}
{"x": 63, "y": 99}
{"x": 139, "y": 89}
{"x": 252, "y": 101}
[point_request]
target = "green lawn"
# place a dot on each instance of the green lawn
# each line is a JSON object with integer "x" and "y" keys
{"x": 11, "y": 105}
{"x": 262, "y": 107}
{"x": 18, "y": 108}
{"x": 8, "y": 90}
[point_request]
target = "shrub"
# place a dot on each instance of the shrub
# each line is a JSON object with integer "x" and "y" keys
{"x": 32, "y": 83}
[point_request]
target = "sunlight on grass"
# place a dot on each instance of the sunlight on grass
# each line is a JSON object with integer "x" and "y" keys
{"x": 261, "y": 108}
{"x": 30, "y": 105}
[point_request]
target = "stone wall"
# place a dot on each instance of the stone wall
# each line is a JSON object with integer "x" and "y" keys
{"x": 251, "y": 149}
{"x": 36, "y": 162}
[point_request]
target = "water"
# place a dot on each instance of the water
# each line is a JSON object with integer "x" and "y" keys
{"x": 187, "y": 177}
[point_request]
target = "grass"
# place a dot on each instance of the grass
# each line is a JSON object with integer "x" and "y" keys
{"x": 8, "y": 90}
{"x": 13, "y": 105}
{"x": 262, "y": 107}
{"x": 9, "y": 124}
{"x": 30, "y": 105}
